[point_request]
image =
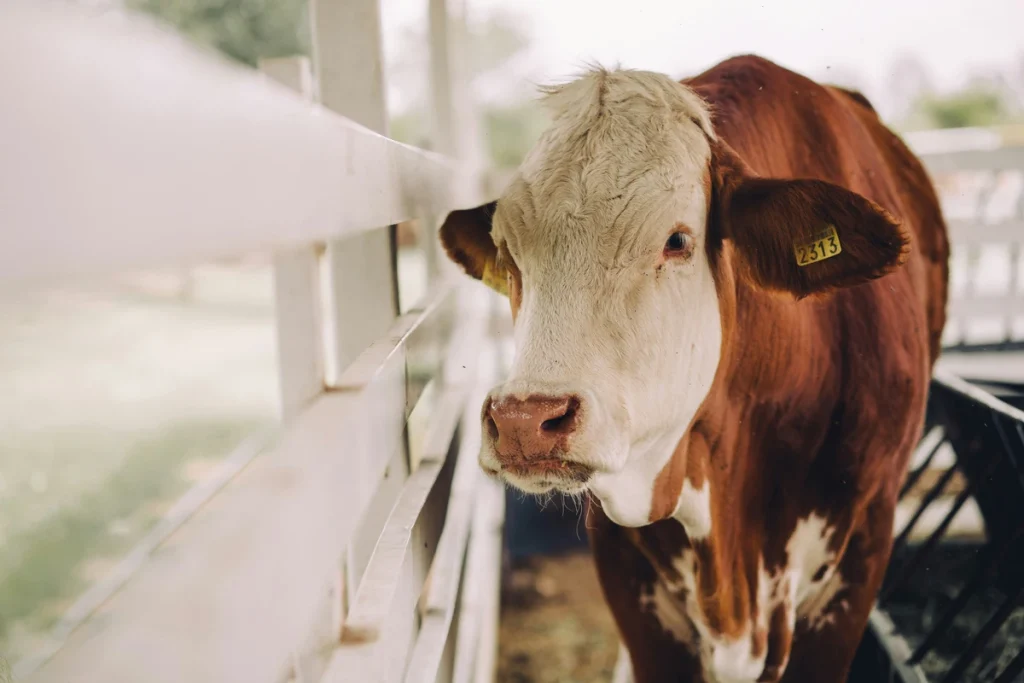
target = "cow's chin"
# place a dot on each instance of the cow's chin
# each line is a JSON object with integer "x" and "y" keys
{"x": 625, "y": 496}
{"x": 619, "y": 477}
{"x": 571, "y": 479}
{"x": 570, "y": 474}
{"x": 545, "y": 484}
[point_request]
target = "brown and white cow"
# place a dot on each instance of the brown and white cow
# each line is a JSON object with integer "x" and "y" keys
{"x": 728, "y": 295}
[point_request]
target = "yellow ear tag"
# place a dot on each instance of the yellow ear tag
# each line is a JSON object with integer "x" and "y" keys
{"x": 495, "y": 278}
{"x": 822, "y": 246}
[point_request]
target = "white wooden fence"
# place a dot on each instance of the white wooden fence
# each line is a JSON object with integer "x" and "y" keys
{"x": 981, "y": 184}
{"x": 342, "y": 552}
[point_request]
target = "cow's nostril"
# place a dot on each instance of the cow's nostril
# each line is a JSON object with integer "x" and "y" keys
{"x": 492, "y": 427}
{"x": 552, "y": 425}
{"x": 564, "y": 423}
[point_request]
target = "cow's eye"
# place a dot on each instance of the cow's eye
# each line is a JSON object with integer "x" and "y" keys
{"x": 678, "y": 243}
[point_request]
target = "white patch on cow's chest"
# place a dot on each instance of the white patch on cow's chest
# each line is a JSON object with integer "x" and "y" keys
{"x": 694, "y": 510}
{"x": 666, "y": 609}
{"x": 801, "y": 588}
{"x": 724, "y": 659}
{"x": 733, "y": 661}
{"x": 815, "y": 588}
{"x": 820, "y": 607}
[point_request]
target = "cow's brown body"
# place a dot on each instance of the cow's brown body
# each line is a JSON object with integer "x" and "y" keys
{"x": 815, "y": 407}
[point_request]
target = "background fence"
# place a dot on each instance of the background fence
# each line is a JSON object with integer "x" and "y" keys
{"x": 981, "y": 184}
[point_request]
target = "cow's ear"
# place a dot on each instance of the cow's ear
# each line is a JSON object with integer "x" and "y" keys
{"x": 466, "y": 237}
{"x": 806, "y": 237}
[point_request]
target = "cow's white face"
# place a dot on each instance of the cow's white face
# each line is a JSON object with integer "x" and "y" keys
{"x": 617, "y": 325}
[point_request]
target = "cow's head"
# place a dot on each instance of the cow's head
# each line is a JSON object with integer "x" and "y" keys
{"x": 620, "y": 244}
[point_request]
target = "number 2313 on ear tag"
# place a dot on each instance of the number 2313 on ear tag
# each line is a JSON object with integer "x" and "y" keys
{"x": 822, "y": 246}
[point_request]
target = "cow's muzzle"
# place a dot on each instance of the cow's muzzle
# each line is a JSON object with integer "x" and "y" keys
{"x": 530, "y": 436}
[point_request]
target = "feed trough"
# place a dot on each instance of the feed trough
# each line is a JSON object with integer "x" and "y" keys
{"x": 951, "y": 607}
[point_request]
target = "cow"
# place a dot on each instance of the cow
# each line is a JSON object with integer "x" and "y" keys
{"x": 727, "y": 296}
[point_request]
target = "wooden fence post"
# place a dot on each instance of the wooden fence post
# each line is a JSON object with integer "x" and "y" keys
{"x": 453, "y": 114}
{"x": 361, "y": 271}
{"x": 350, "y": 76}
{"x": 300, "y": 345}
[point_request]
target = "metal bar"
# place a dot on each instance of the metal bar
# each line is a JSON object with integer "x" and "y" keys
{"x": 987, "y": 631}
{"x": 911, "y": 566}
{"x": 1012, "y": 670}
{"x": 1010, "y": 453}
{"x": 953, "y": 383}
{"x": 985, "y": 564}
{"x": 989, "y": 563}
{"x": 1019, "y": 428}
{"x": 926, "y": 500}
{"x": 930, "y": 445}
{"x": 895, "y": 649}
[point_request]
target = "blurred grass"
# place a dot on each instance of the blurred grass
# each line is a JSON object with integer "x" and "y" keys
{"x": 53, "y": 562}
{"x": 119, "y": 396}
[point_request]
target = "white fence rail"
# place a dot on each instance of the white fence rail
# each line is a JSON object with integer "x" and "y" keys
{"x": 344, "y": 552}
{"x": 981, "y": 184}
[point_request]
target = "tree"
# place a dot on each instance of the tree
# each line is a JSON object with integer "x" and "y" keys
{"x": 244, "y": 30}
{"x": 511, "y": 123}
{"x": 973, "y": 106}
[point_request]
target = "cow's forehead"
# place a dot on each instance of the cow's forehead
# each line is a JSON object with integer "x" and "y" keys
{"x": 626, "y": 151}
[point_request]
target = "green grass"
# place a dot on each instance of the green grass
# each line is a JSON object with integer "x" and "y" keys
{"x": 46, "y": 566}
{"x": 119, "y": 396}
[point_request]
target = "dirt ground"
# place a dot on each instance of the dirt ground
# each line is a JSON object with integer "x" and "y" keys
{"x": 555, "y": 627}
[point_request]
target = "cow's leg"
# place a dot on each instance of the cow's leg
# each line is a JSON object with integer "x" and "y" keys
{"x": 828, "y": 633}
{"x": 650, "y": 629}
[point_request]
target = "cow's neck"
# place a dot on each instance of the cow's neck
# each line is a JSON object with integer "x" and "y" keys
{"x": 710, "y": 558}
{"x": 737, "y": 552}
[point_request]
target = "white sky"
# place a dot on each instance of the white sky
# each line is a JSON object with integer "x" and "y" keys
{"x": 952, "y": 38}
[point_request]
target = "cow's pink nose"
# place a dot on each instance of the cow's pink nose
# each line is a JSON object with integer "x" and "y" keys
{"x": 537, "y": 428}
